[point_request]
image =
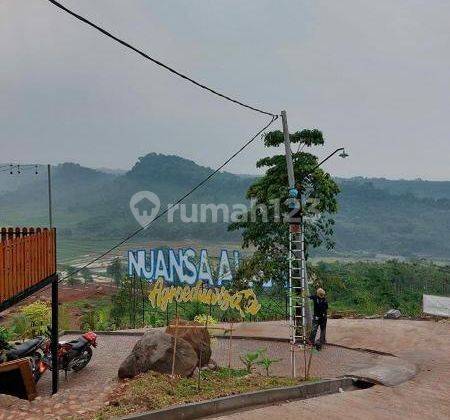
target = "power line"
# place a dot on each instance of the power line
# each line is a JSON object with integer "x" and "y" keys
{"x": 155, "y": 61}
{"x": 179, "y": 200}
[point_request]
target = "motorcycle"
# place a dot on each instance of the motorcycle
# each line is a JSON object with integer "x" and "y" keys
{"x": 32, "y": 349}
{"x": 72, "y": 355}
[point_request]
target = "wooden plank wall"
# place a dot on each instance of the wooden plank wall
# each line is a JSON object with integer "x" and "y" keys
{"x": 27, "y": 256}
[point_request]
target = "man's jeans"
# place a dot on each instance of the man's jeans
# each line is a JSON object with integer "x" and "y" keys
{"x": 322, "y": 323}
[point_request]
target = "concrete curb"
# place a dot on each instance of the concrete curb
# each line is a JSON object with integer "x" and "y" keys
{"x": 249, "y": 399}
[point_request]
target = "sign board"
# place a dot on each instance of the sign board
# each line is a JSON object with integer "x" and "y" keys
{"x": 182, "y": 265}
{"x": 436, "y": 305}
{"x": 182, "y": 275}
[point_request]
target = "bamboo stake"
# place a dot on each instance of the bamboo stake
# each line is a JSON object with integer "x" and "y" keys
{"x": 229, "y": 345}
{"x": 175, "y": 346}
{"x": 309, "y": 362}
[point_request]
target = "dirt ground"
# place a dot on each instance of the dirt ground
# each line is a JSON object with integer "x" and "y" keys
{"x": 66, "y": 294}
{"x": 427, "y": 396}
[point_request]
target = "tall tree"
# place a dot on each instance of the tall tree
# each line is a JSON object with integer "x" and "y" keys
{"x": 262, "y": 227}
{"x": 115, "y": 270}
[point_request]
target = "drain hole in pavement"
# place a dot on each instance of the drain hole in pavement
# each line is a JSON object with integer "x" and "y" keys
{"x": 360, "y": 384}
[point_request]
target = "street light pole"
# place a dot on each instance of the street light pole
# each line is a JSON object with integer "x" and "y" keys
{"x": 55, "y": 282}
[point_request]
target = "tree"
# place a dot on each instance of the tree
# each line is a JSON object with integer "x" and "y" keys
{"x": 87, "y": 275}
{"x": 262, "y": 226}
{"x": 72, "y": 276}
{"x": 115, "y": 270}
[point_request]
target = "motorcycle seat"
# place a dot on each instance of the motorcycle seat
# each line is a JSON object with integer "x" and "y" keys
{"x": 21, "y": 350}
{"x": 77, "y": 344}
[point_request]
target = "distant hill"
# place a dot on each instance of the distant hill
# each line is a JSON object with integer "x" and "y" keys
{"x": 417, "y": 187}
{"x": 376, "y": 216}
{"x": 374, "y": 220}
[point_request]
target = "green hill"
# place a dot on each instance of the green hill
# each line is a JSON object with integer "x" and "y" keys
{"x": 376, "y": 216}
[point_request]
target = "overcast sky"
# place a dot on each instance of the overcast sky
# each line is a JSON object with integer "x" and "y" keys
{"x": 372, "y": 75}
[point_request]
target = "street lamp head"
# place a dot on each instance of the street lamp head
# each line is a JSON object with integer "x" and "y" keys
{"x": 343, "y": 155}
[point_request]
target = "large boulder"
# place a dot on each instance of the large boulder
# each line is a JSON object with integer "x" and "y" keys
{"x": 199, "y": 338}
{"x": 154, "y": 351}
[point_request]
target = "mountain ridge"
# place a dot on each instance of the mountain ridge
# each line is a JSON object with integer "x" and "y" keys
{"x": 395, "y": 217}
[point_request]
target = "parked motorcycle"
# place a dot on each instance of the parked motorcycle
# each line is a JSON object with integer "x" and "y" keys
{"x": 33, "y": 349}
{"x": 72, "y": 355}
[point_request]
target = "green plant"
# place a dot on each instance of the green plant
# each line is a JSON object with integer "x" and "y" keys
{"x": 87, "y": 275}
{"x": 72, "y": 276}
{"x": 63, "y": 318}
{"x": 266, "y": 362}
{"x": 115, "y": 270}
{"x": 90, "y": 319}
{"x": 264, "y": 229}
{"x": 32, "y": 320}
{"x": 205, "y": 319}
{"x": 250, "y": 359}
{"x": 5, "y": 334}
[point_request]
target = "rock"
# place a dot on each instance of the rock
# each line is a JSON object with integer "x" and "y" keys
{"x": 154, "y": 351}
{"x": 199, "y": 338}
{"x": 393, "y": 314}
{"x": 212, "y": 365}
{"x": 9, "y": 401}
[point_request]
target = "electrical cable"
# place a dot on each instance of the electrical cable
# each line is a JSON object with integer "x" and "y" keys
{"x": 155, "y": 61}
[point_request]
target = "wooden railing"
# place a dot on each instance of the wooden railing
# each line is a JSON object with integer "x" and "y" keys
{"x": 27, "y": 257}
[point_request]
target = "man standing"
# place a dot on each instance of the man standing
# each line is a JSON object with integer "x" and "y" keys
{"x": 320, "y": 318}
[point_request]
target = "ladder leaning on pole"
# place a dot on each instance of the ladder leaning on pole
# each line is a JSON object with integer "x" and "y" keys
{"x": 297, "y": 282}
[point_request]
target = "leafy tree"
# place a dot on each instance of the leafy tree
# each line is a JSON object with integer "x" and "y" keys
{"x": 87, "y": 275}
{"x": 262, "y": 228}
{"x": 72, "y": 275}
{"x": 115, "y": 270}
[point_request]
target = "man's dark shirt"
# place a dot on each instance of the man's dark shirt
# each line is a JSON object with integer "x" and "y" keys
{"x": 320, "y": 306}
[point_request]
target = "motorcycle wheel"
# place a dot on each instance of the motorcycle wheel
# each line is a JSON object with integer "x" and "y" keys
{"x": 35, "y": 362}
{"x": 82, "y": 359}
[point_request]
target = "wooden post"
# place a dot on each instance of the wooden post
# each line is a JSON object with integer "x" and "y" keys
{"x": 141, "y": 283}
{"x": 229, "y": 345}
{"x": 175, "y": 345}
{"x": 309, "y": 362}
{"x": 54, "y": 335}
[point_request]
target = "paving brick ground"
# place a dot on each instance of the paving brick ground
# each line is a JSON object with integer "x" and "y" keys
{"x": 423, "y": 343}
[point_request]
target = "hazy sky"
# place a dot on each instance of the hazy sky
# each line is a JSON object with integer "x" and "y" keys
{"x": 374, "y": 76}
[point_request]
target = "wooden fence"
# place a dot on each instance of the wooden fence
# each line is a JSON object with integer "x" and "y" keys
{"x": 27, "y": 257}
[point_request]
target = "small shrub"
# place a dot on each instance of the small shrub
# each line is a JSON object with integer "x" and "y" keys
{"x": 90, "y": 319}
{"x": 32, "y": 320}
{"x": 5, "y": 334}
{"x": 250, "y": 359}
{"x": 266, "y": 362}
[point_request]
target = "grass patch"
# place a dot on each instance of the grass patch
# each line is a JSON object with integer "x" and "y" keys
{"x": 152, "y": 391}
